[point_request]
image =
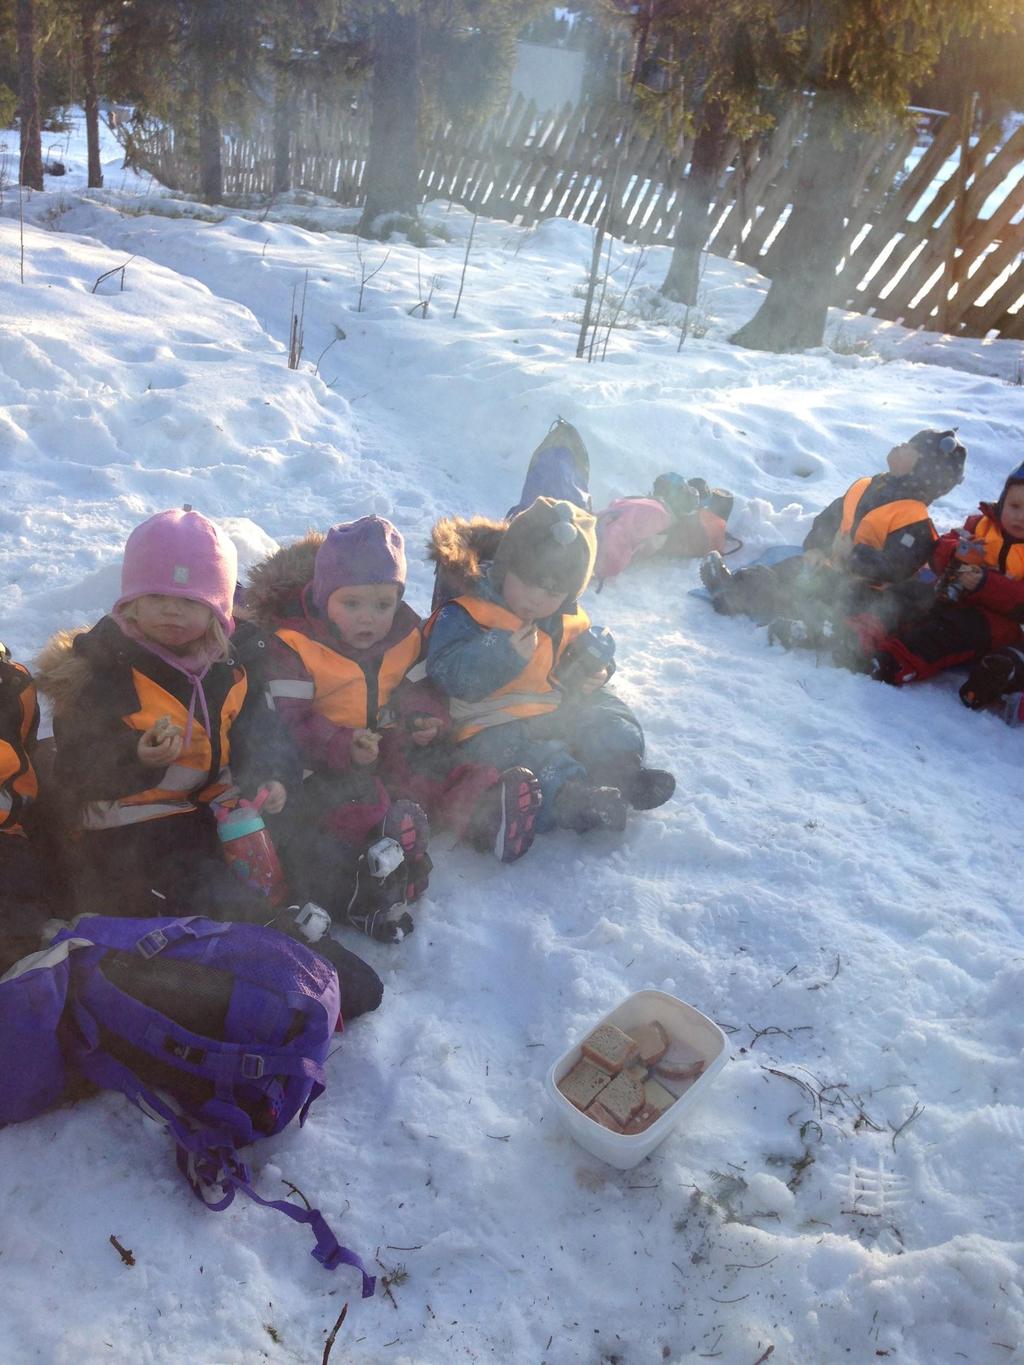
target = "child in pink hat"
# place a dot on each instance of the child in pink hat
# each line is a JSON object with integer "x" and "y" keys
{"x": 144, "y": 706}
{"x": 155, "y": 729}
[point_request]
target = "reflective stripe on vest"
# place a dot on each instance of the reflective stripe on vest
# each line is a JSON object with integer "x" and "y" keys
{"x": 998, "y": 553}
{"x": 876, "y": 526}
{"x": 338, "y": 687}
{"x": 186, "y": 783}
{"x": 18, "y": 785}
{"x": 530, "y": 693}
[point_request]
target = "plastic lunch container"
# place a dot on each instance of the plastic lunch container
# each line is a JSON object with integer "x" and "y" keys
{"x": 683, "y": 1024}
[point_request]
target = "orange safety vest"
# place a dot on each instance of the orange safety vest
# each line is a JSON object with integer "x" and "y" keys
{"x": 18, "y": 785}
{"x": 531, "y": 692}
{"x": 875, "y": 527}
{"x": 187, "y": 783}
{"x": 344, "y": 691}
{"x": 998, "y": 552}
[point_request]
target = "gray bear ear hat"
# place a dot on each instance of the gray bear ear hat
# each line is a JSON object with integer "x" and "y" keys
{"x": 941, "y": 466}
{"x": 552, "y": 544}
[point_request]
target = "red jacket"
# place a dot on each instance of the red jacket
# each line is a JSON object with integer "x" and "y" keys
{"x": 1000, "y": 595}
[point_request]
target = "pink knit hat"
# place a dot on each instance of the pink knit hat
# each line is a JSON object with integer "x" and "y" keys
{"x": 181, "y": 554}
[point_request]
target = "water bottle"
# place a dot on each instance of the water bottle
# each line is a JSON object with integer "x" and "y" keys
{"x": 249, "y": 850}
{"x": 590, "y": 652}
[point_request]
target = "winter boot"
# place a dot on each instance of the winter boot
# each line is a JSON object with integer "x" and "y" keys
{"x": 504, "y": 822}
{"x": 886, "y": 668}
{"x": 991, "y": 678}
{"x": 581, "y": 807}
{"x": 795, "y": 634}
{"x": 407, "y": 824}
{"x": 643, "y": 788}
{"x": 717, "y": 580}
{"x": 379, "y": 895}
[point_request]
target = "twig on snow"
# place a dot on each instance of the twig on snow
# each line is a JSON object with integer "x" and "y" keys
{"x": 916, "y": 1112}
{"x": 329, "y": 1343}
{"x": 124, "y": 1253}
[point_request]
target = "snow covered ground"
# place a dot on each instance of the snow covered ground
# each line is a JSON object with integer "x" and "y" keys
{"x": 837, "y": 881}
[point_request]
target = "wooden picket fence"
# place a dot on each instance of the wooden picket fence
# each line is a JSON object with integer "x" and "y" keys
{"x": 918, "y": 249}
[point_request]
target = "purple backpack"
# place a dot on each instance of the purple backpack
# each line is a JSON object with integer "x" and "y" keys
{"x": 217, "y": 1030}
{"x": 33, "y": 993}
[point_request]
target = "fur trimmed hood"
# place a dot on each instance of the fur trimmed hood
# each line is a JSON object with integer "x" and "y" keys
{"x": 273, "y": 592}
{"x": 60, "y": 672}
{"x": 462, "y": 549}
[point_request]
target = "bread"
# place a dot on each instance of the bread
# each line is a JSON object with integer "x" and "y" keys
{"x": 641, "y": 1121}
{"x": 680, "y": 1063}
{"x": 651, "y": 1040}
{"x": 583, "y": 1083}
{"x": 609, "y": 1048}
{"x": 657, "y": 1097}
{"x": 600, "y": 1115}
{"x": 623, "y": 1097}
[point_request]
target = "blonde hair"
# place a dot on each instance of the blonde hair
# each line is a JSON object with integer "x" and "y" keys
{"x": 214, "y": 640}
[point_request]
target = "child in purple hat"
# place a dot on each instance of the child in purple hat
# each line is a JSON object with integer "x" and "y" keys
{"x": 342, "y": 642}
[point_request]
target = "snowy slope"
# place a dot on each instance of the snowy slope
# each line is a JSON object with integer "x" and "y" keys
{"x": 834, "y": 882}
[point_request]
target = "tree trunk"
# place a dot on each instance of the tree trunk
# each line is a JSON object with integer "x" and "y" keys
{"x": 392, "y": 164}
{"x": 31, "y": 151}
{"x": 90, "y": 25}
{"x": 211, "y": 175}
{"x": 806, "y": 254}
{"x": 706, "y": 165}
{"x": 283, "y": 115}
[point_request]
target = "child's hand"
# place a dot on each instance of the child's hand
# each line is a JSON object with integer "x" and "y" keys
{"x": 524, "y": 640}
{"x": 160, "y": 745}
{"x": 273, "y": 801}
{"x": 425, "y": 729}
{"x": 970, "y": 577}
{"x": 842, "y": 548}
{"x": 595, "y": 681}
{"x": 365, "y": 747}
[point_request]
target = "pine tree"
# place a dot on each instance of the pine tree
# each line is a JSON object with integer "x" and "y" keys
{"x": 191, "y": 62}
{"x": 31, "y": 141}
{"x": 861, "y": 60}
{"x": 427, "y": 59}
{"x": 89, "y": 21}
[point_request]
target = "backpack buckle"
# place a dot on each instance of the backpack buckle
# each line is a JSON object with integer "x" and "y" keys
{"x": 252, "y": 1066}
{"x": 152, "y": 943}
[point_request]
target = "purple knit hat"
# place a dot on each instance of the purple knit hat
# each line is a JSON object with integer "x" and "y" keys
{"x": 181, "y": 554}
{"x": 369, "y": 550}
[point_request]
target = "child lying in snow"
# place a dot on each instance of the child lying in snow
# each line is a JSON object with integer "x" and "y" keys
{"x": 856, "y": 579}
{"x": 978, "y": 610}
{"x": 494, "y": 650}
{"x": 681, "y": 519}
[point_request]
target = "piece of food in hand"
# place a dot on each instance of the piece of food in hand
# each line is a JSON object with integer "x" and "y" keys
{"x": 583, "y": 1084}
{"x": 165, "y": 728}
{"x": 609, "y": 1048}
{"x": 600, "y": 1114}
{"x": 651, "y": 1040}
{"x": 623, "y": 1097}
